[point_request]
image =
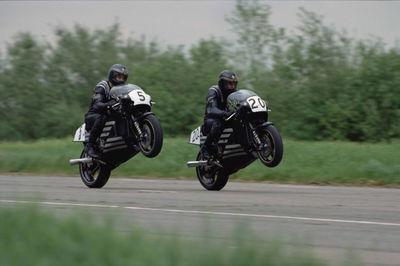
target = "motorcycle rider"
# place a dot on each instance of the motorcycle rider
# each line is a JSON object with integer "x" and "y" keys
{"x": 216, "y": 111}
{"x": 96, "y": 116}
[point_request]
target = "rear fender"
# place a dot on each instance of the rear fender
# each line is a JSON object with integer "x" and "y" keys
{"x": 143, "y": 116}
{"x": 263, "y": 125}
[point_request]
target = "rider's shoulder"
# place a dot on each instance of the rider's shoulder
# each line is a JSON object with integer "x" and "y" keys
{"x": 102, "y": 87}
{"x": 214, "y": 90}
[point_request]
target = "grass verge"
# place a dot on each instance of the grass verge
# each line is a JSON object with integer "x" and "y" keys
{"x": 303, "y": 162}
{"x": 30, "y": 236}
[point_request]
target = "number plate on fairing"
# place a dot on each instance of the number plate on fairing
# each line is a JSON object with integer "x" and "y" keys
{"x": 139, "y": 97}
{"x": 257, "y": 104}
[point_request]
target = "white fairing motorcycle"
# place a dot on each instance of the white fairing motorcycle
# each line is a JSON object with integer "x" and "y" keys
{"x": 131, "y": 128}
{"x": 247, "y": 136}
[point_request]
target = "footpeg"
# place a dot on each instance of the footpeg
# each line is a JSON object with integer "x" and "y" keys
{"x": 216, "y": 163}
{"x": 99, "y": 161}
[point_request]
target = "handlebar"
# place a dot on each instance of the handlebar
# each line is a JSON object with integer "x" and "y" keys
{"x": 114, "y": 106}
{"x": 238, "y": 111}
{"x": 231, "y": 116}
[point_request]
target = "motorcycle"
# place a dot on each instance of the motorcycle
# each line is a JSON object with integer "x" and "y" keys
{"x": 131, "y": 128}
{"x": 248, "y": 135}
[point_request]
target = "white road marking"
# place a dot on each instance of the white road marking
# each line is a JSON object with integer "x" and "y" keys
{"x": 264, "y": 216}
{"x": 157, "y": 191}
{"x": 138, "y": 180}
{"x": 209, "y": 213}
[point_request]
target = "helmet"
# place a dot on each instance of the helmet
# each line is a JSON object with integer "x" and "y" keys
{"x": 115, "y": 71}
{"x": 226, "y": 77}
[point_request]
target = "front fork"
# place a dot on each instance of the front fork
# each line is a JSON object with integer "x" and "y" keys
{"x": 256, "y": 141}
{"x": 134, "y": 127}
{"x": 139, "y": 130}
{"x": 140, "y": 136}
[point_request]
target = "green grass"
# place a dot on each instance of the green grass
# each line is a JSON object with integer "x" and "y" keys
{"x": 30, "y": 236}
{"x": 303, "y": 162}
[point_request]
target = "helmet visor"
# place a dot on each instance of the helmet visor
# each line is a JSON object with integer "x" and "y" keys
{"x": 230, "y": 85}
{"x": 120, "y": 77}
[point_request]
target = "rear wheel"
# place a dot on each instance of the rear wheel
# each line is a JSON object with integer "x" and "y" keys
{"x": 93, "y": 175}
{"x": 152, "y": 140}
{"x": 211, "y": 177}
{"x": 271, "y": 154}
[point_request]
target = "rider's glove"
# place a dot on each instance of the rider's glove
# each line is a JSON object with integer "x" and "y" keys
{"x": 228, "y": 113}
{"x": 111, "y": 102}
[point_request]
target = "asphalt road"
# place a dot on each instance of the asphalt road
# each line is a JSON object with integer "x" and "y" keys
{"x": 334, "y": 223}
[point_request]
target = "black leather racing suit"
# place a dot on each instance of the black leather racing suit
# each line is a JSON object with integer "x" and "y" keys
{"x": 215, "y": 113}
{"x": 96, "y": 117}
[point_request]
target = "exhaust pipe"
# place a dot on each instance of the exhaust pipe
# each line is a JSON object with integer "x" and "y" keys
{"x": 81, "y": 160}
{"x": 196, "y": 163}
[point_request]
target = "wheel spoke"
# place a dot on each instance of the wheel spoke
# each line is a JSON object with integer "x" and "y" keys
{"x": 271, "y": 155}
{"x": 147, "y": 143}
{"x": 95, "y": 169}
{"x": 207, "y": 174}
{"x": 93, "y": 175}
{"x": 267, "y": 153}
{"x": 90, "y": 172}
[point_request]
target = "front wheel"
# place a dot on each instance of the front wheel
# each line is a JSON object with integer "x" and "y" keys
{"x": 93, "y": 175}
{"x": 211, "y": 177}
{"x": 152, "y": 136}
{"x": 271, "y": 154}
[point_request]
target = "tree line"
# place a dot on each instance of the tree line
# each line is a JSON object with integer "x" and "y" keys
{"x": 320, "y": 83}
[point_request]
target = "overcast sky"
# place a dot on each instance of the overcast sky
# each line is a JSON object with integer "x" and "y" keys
{"x": 186, "y": 22}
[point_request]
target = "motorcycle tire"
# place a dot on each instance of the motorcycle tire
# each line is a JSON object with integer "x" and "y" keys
{"x": 93, "y": 175}
{"x": 273, "y": 155}
{"x": 152, "y": 144}
{"x": 211, "y": 177}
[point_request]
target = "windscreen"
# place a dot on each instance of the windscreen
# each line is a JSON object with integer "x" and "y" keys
{"x": 123, "y": 90}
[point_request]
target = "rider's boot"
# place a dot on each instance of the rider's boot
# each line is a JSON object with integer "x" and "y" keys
{"x": 208, "y": 153}
{"x": 91, "y": 151}
{"x": 205, "y": 155}
{"x": 91, "y": 148}
{"x": 207, "y": 150}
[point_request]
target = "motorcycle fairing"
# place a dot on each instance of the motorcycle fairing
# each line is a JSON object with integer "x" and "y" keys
{"x": 140, "y": 97}
{"x": 197, "y": 137}
{"x": 223, "y": 139}
{"x": 113, "y": 137}
{"x": 234, "y": 156}
{"x": 135, "y": 93}
{"x": 109, "y": 136}
{"x": 117, "y": 146}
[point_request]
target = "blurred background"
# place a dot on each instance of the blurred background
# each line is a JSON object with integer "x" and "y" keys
{"x": 329, "y": 70}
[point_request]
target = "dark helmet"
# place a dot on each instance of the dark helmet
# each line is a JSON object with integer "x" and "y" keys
{"x": 225, "y": 77}
{"x": 115, "y": 71}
